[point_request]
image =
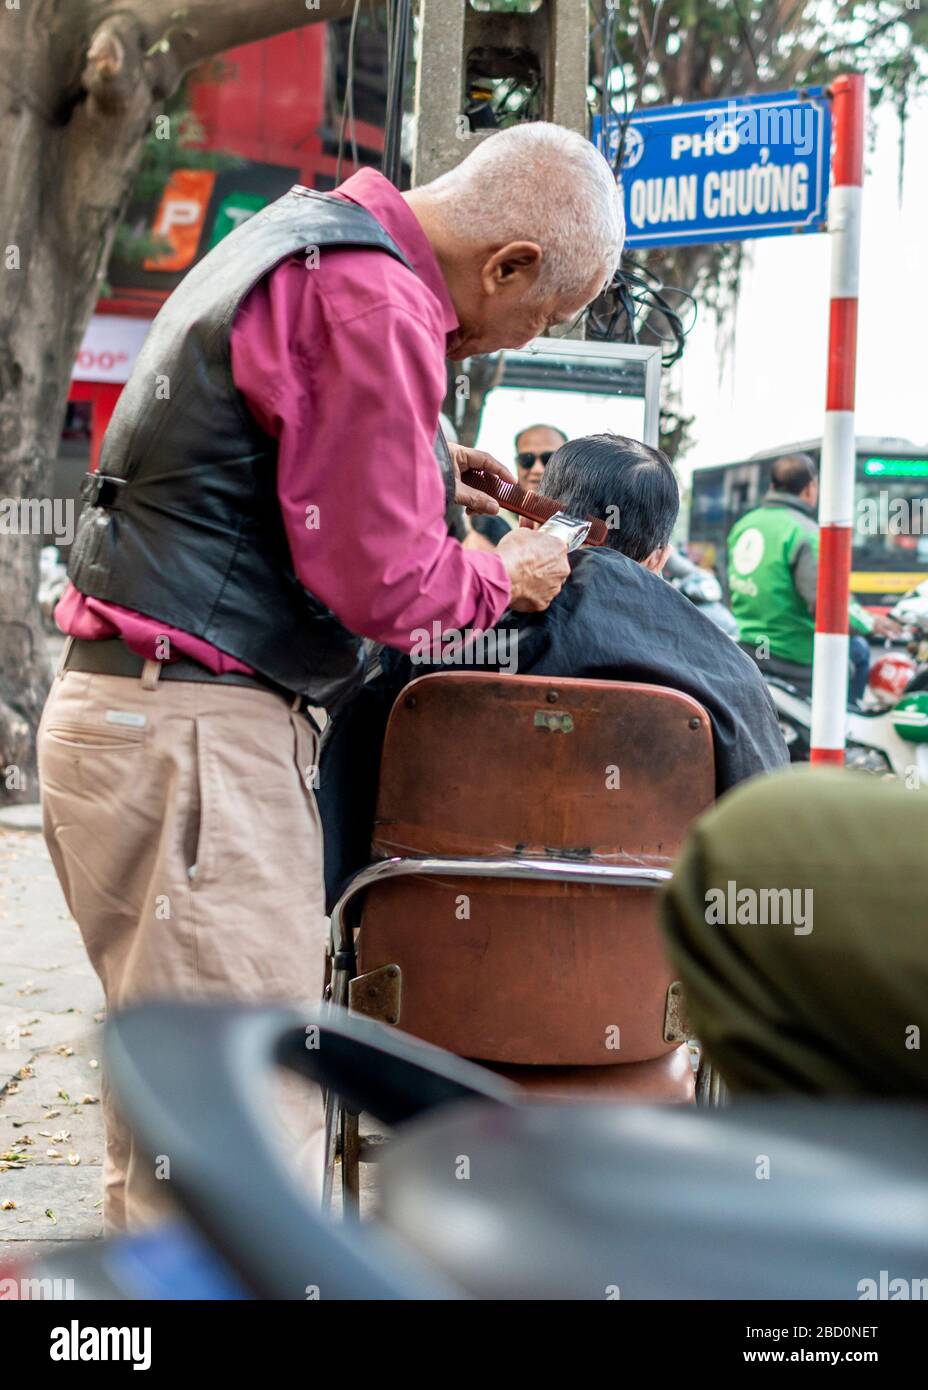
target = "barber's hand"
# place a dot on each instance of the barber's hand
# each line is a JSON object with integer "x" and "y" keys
{"x": 536, "y": 563}
{"x": 462, "y": 459}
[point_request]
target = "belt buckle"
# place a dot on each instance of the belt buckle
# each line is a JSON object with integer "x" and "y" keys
{"x": 101, "y": 489}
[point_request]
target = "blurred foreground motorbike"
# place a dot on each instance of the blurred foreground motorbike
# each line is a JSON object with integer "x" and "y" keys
{"x": 481, "y": 1196}
{"x": 888, "y": 736}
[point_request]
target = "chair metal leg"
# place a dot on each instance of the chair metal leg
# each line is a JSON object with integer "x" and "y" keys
{"x": 376, "y": 994}
{"x": 351, "y": 1154}
{"x": 332, "y": 1133}
{"x": 710, "y": 1088}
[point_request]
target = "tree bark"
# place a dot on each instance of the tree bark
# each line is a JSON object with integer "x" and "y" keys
{"x": 81, "y": 82}
{"x": 467, "y": 392}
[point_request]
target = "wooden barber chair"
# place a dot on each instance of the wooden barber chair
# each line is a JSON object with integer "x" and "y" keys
{"x": 508, "y": 914}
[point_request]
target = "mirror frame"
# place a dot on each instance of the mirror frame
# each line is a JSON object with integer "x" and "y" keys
{"x": 605, "y": 352}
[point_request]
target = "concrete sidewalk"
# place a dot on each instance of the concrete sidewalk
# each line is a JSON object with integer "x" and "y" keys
{"x": 51, "y": 1132}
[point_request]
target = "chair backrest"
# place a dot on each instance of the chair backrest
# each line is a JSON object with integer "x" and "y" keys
{"x": 489, "y": 766}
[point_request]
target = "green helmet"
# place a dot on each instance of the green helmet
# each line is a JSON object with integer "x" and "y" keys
{"x": 910, "y": 717}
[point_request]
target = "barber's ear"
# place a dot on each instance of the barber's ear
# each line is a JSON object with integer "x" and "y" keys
{"x": 516, "y": 265}
{"x": 657, "y": 559}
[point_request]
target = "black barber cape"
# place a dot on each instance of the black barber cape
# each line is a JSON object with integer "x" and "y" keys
{"x": 613, "y": 620}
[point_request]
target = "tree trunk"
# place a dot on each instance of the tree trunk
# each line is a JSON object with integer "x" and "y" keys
{"x": 82, "y": 81}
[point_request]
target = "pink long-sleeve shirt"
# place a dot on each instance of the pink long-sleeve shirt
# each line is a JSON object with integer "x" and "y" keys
{"x": 343, "y": 364}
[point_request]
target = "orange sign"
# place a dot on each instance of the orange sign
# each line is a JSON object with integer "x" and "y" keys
{"x": 180, "y": 218}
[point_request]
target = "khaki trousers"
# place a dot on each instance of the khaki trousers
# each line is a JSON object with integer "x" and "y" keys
{"x": 184, "y": 832}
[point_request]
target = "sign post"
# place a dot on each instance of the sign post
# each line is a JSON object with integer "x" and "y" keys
{"x": 836, "y": 498}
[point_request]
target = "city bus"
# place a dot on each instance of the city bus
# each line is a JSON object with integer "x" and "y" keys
{"x": 890, "y": 542}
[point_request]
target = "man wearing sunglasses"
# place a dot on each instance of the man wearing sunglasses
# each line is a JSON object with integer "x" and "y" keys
{"x": 534, "y": 447}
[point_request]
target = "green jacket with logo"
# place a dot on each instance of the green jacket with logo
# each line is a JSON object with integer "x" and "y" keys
{"x": 773, "y": 575}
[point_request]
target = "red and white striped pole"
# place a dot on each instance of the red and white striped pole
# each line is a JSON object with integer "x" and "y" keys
{"x": 836, "y": 482}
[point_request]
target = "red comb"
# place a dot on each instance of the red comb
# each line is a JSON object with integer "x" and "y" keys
{"x": 531, "y": 505}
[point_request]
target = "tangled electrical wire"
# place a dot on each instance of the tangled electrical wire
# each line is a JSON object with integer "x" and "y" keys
{"x": 636, "y": 300}
{"x": 347, "y": 119}
{"x": 398, "y": 26}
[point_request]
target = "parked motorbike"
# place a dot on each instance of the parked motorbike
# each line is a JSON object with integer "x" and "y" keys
{"x": 702, "y": 589}
{"x": 889, "y": 735}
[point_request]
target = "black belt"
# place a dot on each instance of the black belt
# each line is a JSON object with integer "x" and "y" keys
{"x": 111, "y": 657}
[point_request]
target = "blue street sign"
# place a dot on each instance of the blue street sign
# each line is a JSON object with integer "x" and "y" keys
{"x": 724, "y": 170}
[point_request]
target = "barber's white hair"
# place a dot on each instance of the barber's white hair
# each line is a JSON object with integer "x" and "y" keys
{"x": 538, "y": 182}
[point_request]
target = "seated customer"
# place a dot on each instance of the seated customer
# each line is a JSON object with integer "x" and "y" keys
{"x": 614, "y": 619}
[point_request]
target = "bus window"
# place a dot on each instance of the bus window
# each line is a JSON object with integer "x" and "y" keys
{"x": 890, "y": 523}
{"x": 740, "y": 498}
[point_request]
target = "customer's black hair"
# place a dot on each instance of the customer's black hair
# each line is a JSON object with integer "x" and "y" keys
{"x": 627, "y": 484}
{"x": 792, "y": 474}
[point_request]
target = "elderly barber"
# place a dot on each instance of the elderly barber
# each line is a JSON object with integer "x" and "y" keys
{"x": 268, "y": 495}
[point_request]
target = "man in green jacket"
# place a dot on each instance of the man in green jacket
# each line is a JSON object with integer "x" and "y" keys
{"x": 773, "y": 576}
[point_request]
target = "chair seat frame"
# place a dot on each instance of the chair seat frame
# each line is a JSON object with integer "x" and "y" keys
{"x": 341, "y": 1124}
